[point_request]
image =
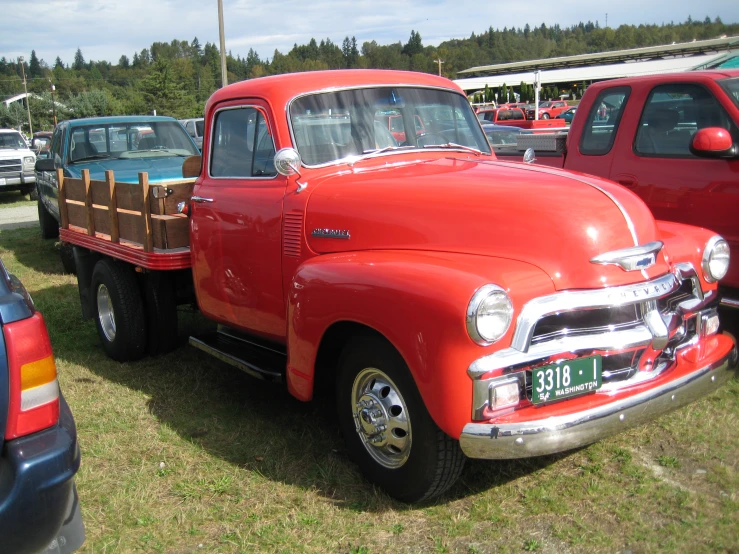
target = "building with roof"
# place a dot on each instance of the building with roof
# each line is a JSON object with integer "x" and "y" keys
{"x": 569, "y": 72}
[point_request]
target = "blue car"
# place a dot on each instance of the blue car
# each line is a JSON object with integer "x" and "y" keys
{"x": 126, "y": 145}
{"x": 39, "y": 454}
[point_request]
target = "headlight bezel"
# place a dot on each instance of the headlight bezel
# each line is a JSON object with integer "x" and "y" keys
{"x": 478, "y": 299}
{"x": 29, "y": 160}
{"x": 708, "y": 251}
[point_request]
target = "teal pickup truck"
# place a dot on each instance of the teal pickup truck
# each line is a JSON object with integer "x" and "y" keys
{"x": 126, "y": 145}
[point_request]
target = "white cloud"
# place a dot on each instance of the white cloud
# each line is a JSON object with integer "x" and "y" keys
{"x": 107, "y": 29}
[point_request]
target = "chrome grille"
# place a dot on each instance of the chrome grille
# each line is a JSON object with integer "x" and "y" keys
{"x": 10, "y": 167}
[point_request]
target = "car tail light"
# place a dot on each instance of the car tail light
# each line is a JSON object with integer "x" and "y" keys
{"x": 34, "y": 390}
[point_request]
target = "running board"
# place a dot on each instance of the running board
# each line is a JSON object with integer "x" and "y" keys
{"x": 249, "y": 356}
{"x": 730, "y": 302}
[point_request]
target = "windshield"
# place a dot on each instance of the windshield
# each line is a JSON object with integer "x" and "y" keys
{"x": 130, "y": 140}
{"x": 331, "y": 126}
{"x": 12, "y": 141}
{"x": 731, "y": 86}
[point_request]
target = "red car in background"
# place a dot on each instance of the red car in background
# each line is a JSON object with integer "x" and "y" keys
{"x": 548, "y": 109}
{"x": 501, "y": 115}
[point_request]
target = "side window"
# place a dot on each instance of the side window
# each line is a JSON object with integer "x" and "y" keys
{"x": 242, "y": 145}
{"x": 672, "y": 115}
{"x": 56, "y": 145}
{"x": 190, "y": 128}
{"x": 603, "y": 121}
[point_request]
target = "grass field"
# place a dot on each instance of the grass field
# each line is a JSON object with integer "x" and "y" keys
{"x": 184, "y": 454}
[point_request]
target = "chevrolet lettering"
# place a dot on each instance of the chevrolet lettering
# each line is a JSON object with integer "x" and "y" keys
{"x": 465, "y": 317}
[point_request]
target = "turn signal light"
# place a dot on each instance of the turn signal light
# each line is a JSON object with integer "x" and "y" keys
{"x": 34, "y": 390}
{"x": 504, "y": 395}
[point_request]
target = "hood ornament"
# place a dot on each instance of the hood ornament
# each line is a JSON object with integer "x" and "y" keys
{"x": 635, "y": 258}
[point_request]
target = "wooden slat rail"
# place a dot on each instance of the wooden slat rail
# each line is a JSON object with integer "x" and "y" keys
{"x": 130, "y": 212}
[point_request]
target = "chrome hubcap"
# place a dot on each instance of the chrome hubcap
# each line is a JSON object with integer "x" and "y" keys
{"x": 105, "y": 312}
{"x": 381, "y": 418}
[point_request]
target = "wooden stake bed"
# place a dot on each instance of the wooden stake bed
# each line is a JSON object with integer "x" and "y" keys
{"x": 135, "y": 222}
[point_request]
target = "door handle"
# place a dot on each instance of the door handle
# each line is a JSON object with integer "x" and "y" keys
{"x": 200, "y": 199}
{"x": 627, "y": 182}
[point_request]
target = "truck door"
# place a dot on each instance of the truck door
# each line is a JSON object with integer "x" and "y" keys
{"x": 48, "y": 187}
{"x": 595, "y": 150}
{"x": 236, "y": 224}
{"x": 675, "y": 184}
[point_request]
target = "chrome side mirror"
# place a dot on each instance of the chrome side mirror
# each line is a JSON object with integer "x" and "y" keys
{"x": 529, "y": 156}
{"x": 287, "y": 162}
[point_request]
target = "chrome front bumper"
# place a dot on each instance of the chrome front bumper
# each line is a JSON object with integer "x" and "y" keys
{"x": 558, "y": 434}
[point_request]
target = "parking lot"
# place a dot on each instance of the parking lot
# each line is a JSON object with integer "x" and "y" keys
{"x": 181, "y": 453}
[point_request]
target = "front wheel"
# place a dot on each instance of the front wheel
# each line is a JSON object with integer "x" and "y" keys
{"x": 386, "y": 427}
{"x": 545, "y": 116}
{"x": 119, "y": 311}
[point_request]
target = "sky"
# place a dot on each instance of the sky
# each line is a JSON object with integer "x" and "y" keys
{"x": 107, "y": 29}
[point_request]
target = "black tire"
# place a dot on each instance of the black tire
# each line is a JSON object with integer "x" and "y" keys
{"x": 33, "y": 194}
{"x": 116, "y": 298}
{"x": 49, "y": 225}
{"x": 545, "y": 116}
{"x": 66, "y": 253}
{"x": 423, "y": 462}
{"x": 161, "y": 313}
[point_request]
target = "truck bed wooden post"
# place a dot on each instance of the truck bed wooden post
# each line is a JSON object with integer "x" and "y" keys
{"x": 148, "y": 236}
{"x": 112, "y": 207}
{"x": 88, "y": 203}
{"x": 63, "y": 215}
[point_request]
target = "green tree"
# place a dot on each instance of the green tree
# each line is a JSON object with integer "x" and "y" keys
{"x": 414, "y": 45}
{"x": 79, "y": 61}
{"x": 34, "y": 66}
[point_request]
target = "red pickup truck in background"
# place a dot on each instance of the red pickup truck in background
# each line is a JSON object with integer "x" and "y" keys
{"x": 673, "y": 140}
{"x": 548, "y": 110}
{"x": 451, "y": 305}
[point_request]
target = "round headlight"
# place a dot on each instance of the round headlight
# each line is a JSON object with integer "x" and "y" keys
{"x": 715, "y": 259}
{"x": 489, "y": 314}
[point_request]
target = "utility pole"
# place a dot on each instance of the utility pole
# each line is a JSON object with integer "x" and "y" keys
{"x": 25, "y": 88}
{"x": 606, "y": 20}
{"x": 53, "y": 105}
{"x": 224, "y": 72}
{"x": 439, "y": 61}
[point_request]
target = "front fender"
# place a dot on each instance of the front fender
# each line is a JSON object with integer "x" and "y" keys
{"x": 680, "y": 247}
{"x": 418, "y": 302}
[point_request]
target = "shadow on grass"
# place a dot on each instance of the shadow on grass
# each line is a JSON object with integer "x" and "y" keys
{"x": 13, "y": 198}
{"x": 249, "y": 423}
{"x": 31, "y": 251}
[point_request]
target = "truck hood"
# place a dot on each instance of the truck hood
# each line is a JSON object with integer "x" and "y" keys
{"x": 127, "y": 170}
{"x": 14, "y": 153}
{"x": 553, "y": 219}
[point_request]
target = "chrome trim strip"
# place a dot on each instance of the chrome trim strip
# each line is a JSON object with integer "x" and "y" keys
{"x": 629, "y": 259}
{"x": 534, "y": 310}
{"x": 730, "y": 302}
{"x": 685, "y": 270}
{"x": 561, "y": 433}
{"x": 629, "y": 222}
{"x": 617, "y": 340}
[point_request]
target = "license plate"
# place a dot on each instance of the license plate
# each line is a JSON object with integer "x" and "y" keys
{"x": 2, "y": 181}
{"x": 566, "y": 379}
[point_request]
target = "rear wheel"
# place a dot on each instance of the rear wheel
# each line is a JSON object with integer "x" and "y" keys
{"x": 386, "y": 427}
{"x": 119, "y": 311}
{"x": 49, "y": 225}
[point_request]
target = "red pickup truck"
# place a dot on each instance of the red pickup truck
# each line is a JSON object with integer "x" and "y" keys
{"x": 673, "y": 140}
{"x": 454, "y": 305}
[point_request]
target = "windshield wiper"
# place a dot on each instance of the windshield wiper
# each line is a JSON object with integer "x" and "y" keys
{"x": 367, "y": 154}
{"x": 167, "y": 150}
{"x": 93, "y": 157}
{"x": 475, "y": 151}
